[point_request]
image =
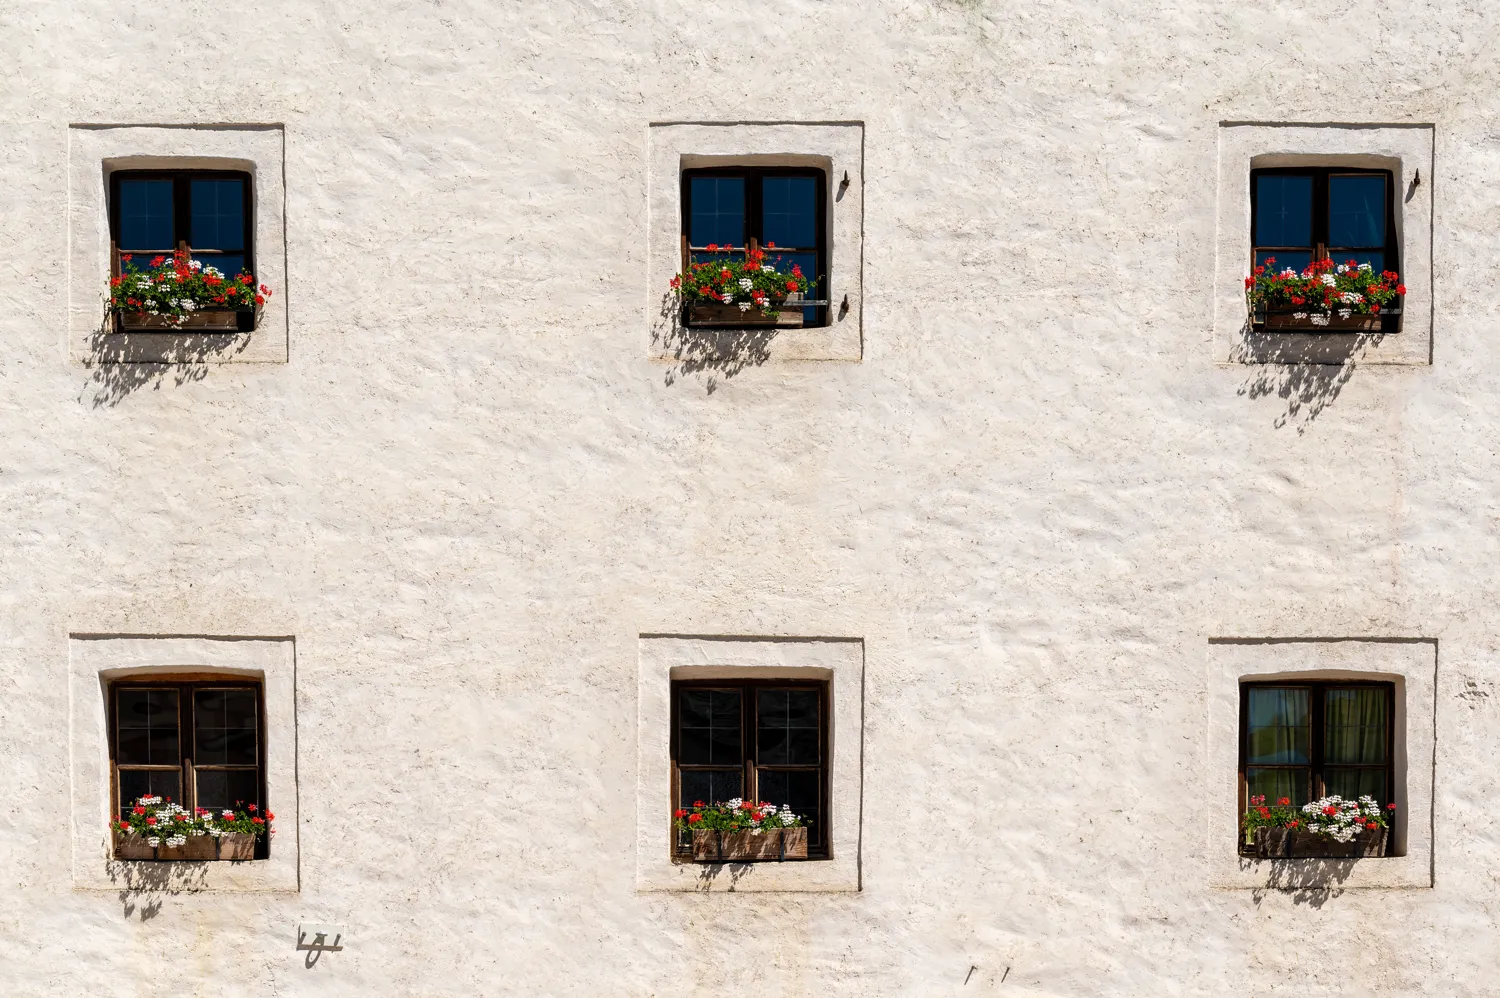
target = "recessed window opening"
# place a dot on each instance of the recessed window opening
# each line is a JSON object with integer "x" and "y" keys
{"x": 206, "y": 213}
{"x": 781, "y": 210}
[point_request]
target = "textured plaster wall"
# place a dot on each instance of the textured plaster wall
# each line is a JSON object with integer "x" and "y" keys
{"x": 470, "y": 490}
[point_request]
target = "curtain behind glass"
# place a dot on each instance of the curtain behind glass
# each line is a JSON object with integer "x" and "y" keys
{"x": 1356, "y": 725}
{"x": 1279, "y": 735}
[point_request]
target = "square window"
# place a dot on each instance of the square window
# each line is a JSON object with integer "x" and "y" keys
{"x": 759, "y": 740}
{"x": 207, "y": 722}
{"x": 798, "y": 186}
{"x": 1301, "y": 719}
{"x": 147, "y": 191}
{"x": 1306, "y": 741}
{"x": 1297, "y": 194}
{"x": 773, "y": 721}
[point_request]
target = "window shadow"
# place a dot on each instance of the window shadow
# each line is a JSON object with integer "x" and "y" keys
{"x": 124, "y": 363}
{"x": 146, "y": 884}
{"x": 722, "y": 353}
{"x": 1307, "y": 371}
{"x": 1313, "y": 882}
{"x": 709, "y": 873}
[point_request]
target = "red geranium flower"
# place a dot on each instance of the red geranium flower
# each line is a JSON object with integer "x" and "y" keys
{"x": 693, "y": 819}
{"x": 150, "y": 821}
{"x": 137, "y": 810}
{"x": 681, "y": 812}
{"x": 1330, "y": 810}
{"x": 1283, "y": 801}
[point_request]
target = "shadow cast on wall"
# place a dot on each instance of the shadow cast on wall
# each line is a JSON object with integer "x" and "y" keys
{"x": 1307, "y": 371}
{"x": 146, "y": 884}
{"x": 1313, "y": 882}
{"x": 124, "y": 363}
{"x": 722, "y": 353}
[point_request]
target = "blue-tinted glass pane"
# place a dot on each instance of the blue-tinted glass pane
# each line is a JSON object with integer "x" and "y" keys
{"x": 716, "y": 211}
{"x": 1283, "y": 210}
{"x": 789, "y": 208}
{"x": 1280, "y": 727}
{"x": 228, "y": 264}
{"x": 146, "y": 215}
{"x": 1356, "y": 211}
{"x": 218, "y": 218}
{"x": 1284, "y": 259}
{"x": 138, "y": 783}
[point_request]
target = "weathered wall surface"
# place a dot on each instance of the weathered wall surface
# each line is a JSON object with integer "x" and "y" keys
{"x": 470, "y": 489}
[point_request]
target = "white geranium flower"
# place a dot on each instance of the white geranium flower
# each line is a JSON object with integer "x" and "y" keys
{"x": 196, "y": 265}
{"x": 213, "y": 272}
{"x": 1365, "y": 266}
{"x": 1343, "y": 268}
{"x": 1328, "y": 280}
{"x": 727, "y": 299}
{"x": 1351, "y": 298}
{"x": 1320, "y": 320}
{"x": 1344, "y": 313}
{"x": 744, "y": 306}
{"x": 1289, "y": 272}
{"x": 767, "y": 269}
{"x": 746, "y": 283}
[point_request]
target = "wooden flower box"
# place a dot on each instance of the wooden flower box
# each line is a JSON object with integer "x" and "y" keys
{"x": 1300, "y": 321}
{"x": 710, "y": 846}
{"x": 206, "y": 320}
{"x": 197, "y": 848}
{"x": 1294, "y": 843}
{"x": 730, "y": 316}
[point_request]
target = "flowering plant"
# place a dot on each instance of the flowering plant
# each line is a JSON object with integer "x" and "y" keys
{"x": 734, "y": 816}
{"x": 1341, "y": 819}
{"x": 1332, "y": 817}
{"x": 1323, "y": 288}
{"x": 1280, "y": 815}
{"x": 176, "y": 286}
{"x": 748, "y": 283}
{"x": 161, "y": 822}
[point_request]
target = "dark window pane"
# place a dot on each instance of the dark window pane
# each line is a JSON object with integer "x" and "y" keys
{"x": 799, "y": 790}
{"x": 1283, "y": 259}
{"x": 225, "y": 722}
{"x": 218, "y": 215}
{"x": 787, "y": 727}
{"x": 223, "y": 788}
{"x": 1355, "y": 725}
{"x": 702, "y": 256}
{"x": 227, "y": 264}
{"x": 789, "y": 211}
{"x": 146, "y": 215}
{"x": 712, "y": 786}
{"x": 1352, "y": 784}
{"x": 138, "y": 783}
{"x": 1356, "y": 211}
{"x": 1283, "y": 210}
{"x": 708, "y": 727}
{"x": 1274, "y": 784}
{"x": 1279, "y": 727}
{"x": 147, "y": 728}
{"x": 716, "y": 211}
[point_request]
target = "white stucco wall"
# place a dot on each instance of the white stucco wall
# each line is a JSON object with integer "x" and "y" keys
{"x": 471, "y": 488}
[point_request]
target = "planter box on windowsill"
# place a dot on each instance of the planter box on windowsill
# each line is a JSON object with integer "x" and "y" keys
{"x": 205, "y": 320}
{"x": 1278, "y": 320}
{"x": 785, "y": 316}
{"x": 1294, "y": 843}
{"x": 710, "y": 846}
{"x": 197, "y": 848}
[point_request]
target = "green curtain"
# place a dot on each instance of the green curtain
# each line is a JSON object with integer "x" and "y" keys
{"x": 1355, "y": 725}
{"x": 1280, "y": 730}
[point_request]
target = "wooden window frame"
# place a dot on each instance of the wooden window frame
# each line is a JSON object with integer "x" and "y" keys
{"x": 755, "y": 218}
{"x": 750, "y": 768}
{"x": 182, "y": 220}
{"x": 1317, "y": 692}
{"x": 186, "y": 685}
{"x": 1320, "y": 249}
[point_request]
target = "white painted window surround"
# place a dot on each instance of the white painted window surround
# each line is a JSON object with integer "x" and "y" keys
{"x": 1402, "y": 149}
{"x": 1412, "y": 665}
{"x": 94, "y": 661}
{"x": 835, "y": 147}
{"x": 96, "y": 151}
{"x": 663, "y": 658}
